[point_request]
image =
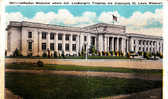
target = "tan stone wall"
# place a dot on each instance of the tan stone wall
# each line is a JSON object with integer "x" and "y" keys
{"x": 139, "y": 64}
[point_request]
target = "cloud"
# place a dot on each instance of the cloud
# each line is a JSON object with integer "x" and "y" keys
{"x": 144, "y": 23}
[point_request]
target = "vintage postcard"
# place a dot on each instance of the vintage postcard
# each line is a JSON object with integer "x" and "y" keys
{"x": 84, "y": 49}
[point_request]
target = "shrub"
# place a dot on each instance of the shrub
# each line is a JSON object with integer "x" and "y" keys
{"x": 100, "y": 53}
{"x": 17, "y": 53}
{"x": 109, "y": 54}
{"x": 160, "y": 55}
{"x": 49, "y": 53}
{"x": 44, "y": 54}
{"x": 117, "y": 53}
{"x": 103, "y": 53}
{"x": 30, "y": 54}
{"x": 121, "y": 54}
{"x": 63, "y": 56}
{"x": 114, "y": 53}
{"x": 128, "y": 54}
{"x": 148, "y": 55}
{"x": 55, "y": 54}
{"x": 40, "y": 64}
{"x": 5, "y": 52}
{"x": 140, "y": 53}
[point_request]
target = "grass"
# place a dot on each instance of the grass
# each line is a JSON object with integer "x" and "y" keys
{"x": 81, "y": 68}
{"x": 49, "y": 86}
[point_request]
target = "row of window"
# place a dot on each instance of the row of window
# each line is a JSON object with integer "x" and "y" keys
{"x": 143, "y": 49}
{"x": 143, "y": 42}
{"x": 60, "y": 36}
{"x": 52, "y": 47}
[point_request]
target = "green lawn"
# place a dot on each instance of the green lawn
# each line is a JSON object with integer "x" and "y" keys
{"x": 49, "y": 86}
{"x": 80, "y": 68}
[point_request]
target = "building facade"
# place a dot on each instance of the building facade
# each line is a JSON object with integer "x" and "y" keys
{"x": 36, "y": 38}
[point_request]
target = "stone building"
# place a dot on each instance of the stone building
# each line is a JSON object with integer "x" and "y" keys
{"x": 36, "y": 38}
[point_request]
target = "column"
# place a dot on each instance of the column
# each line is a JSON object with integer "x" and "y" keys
{"x": 123, "y": 46}
{"x": 48, "y": 41}
{"x": 77, "y": 45}
{"x": 117, "y": 44}
{"x": 100, "y": 42}
{"x": 70, "y": 44}
{"x": 137, "y": 46}
{"x": 63, "y": 43}
{"x": 107, "y": 43}
{"x": 144, "y": 45}
{"x": 161, "y": 46}
{"x": 56, "y": 42}
{"x": 88, "y": 41}
{"x": 112, "y": 43}
{"x": 81, "y": 42}
{"x": 39, "y": 44}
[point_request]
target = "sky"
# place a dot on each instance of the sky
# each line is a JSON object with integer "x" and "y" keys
{"x": 142, "y": 19}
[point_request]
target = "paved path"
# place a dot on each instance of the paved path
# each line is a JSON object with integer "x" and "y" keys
{"x": 150, "y": 94}
{"x": 10, "y": 95}
{"x": 93, "y": 74}
{"x": 118, "y": 63}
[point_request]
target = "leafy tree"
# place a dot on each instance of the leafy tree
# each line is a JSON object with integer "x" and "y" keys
{"x": 44, "y": 54}
{"x": 5, "y": 52}
{"x": 55, "y": 54}
{"x": 40, "y": 64}
{"x": 92, "y": 50}
{"x": 17, "y": 52}
{"x": 128, "y": 55}
{"x": 49, "y": 53}
{"x": 63, "y": 56}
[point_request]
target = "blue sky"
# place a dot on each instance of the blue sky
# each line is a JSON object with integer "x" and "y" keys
{"x": 126, "y": 11}
{"x": 146, "y": 19}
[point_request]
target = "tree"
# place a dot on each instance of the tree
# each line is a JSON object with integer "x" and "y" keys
{"x": 48, "y": 53}
{"x": 92, "y": 50}
{"x": 5, "y": 52}
{"x": 63, "y": 56}
{"x": 44, "y": 54}
{"x": 55, "y": 54}
{"x": 17, "y": 53}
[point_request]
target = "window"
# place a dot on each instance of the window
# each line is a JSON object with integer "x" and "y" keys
{"x": 67, "y": 37}
{"x": 74, "y": 37}
{"x": 74, "y": 47}
{"x": 85, "y": 47}
{"x": 44, "y": 35}
{"x": 134, "y": 48}
{"x": 29, "y": 34}
{"x": 52, "y": 46}
{"x": 139, "y": 42}
{"x": 30, "y": 46}
{"x": 59, "y": 36}
{"x": 85, "y": 38}
{"x": 67, "y": 47}
{"x": 139, "y": 48}
{"x": 52, "y": 36}
{"x": 43, "y": 46}
{"x": 59, "y": 46}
